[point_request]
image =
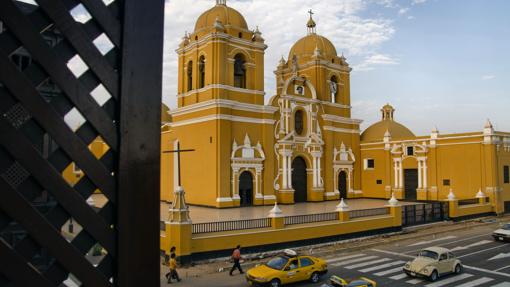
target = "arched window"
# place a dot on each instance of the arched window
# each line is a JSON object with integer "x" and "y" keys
{"x": 333, "y": 88}
{"x": 239, "y": 72}
{"x": 190, "y": 75}
{"x": 298, "y": 122}
{"x": 201, "y": 72}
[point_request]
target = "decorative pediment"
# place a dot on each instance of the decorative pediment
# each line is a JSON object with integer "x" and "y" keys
{"x": 247, "y": 151}
{"x": 343, "y": 155}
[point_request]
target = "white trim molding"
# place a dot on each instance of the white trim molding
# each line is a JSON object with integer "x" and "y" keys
{"x": 224, "y": 199}
{"x": 341, "y": 130}
{"x": 341, "y": 120}
{"x": 221, "y": 103}
{"x": 220, "y": 86}
{"x": 222, "y": 117}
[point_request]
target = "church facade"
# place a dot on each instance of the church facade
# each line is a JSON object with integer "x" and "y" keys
{"x": 303, "y": 145}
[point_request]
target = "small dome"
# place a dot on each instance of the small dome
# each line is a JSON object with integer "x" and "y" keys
{"x": 225, "y": 14}
{"x": 305, "y": 47}
{"x": 376, "y": 131}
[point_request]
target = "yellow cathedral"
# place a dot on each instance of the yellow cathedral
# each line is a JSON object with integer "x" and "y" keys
{"x": 304, "y": 146}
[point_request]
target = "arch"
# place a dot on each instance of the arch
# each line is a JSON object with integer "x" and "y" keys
{"x": 239, "y": 71}
{"x": 189, "y": 73}
{"x": 242, "y": 51}
{"x": 333, "y": 89}
{"x": 201, "y": 72}
{"x": 246, "y": 188}
{"x": 307, "y": 83}
{"x": 299, "y": 179}
{"x": 342, "y": 183}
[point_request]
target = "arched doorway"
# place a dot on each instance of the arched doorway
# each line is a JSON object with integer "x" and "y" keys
{"x": 342, "y": 184}
{"x": 299, "y": 182}
{"x": 246, "y": 188}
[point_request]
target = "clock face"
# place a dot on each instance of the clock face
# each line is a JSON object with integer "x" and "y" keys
{"x": 299, "y": 90}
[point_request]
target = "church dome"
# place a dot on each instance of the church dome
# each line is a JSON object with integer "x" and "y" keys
{"x": 225, "y": 14}
{"x": 306, "y": 47}
{"x": 377, "y": 131}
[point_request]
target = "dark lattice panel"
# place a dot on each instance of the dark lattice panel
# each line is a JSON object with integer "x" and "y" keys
{"x": 61, "y": 82}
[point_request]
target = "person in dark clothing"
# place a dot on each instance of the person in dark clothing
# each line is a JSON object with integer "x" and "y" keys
{"x": 173, "y": 270}
{"x": 236, "y": 256}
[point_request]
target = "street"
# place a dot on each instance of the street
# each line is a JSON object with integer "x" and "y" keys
{"x": 486, "y": 262}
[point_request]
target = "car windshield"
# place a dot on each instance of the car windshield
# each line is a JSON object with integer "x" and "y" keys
{"x": 429, "y": 254}
{"x": 506, "y": 226}
{"x": 277, "y": 263}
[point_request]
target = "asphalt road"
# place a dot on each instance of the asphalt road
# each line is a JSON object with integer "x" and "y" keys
{"x": 486, "y": 263}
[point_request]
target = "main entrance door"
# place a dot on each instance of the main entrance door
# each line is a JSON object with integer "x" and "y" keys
{"x": 410, "y": 183}
{"x": 342, "y": 184}
{"x": 246, "y": 188}
{"x": 299, "y": 179}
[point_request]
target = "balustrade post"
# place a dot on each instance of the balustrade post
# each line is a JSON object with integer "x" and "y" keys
{"x": 343, "y": 211}
{"x": 277, "y": 217}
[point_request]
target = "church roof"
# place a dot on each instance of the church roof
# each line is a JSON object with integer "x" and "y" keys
{"x": 377, "y": 131}
{"x": 225, "y": 14}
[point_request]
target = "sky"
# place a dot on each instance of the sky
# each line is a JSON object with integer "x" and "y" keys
{"x": 440, "y": 63}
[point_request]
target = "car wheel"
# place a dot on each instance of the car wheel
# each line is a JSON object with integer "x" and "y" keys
{"x": 433, "y": 277}
{"x": 315, "y": 277}
{"x": 275, "y": 283}
{"x": 458, "y": 269}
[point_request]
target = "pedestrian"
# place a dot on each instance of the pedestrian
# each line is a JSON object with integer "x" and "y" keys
{"x": 236, "y": 256}
{"x": 173, "y": 270}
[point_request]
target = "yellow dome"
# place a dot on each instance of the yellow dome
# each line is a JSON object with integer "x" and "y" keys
{"x": 305, "y": 47}
{"x": 377, "y": 131}
{"x": 227, "y": 16}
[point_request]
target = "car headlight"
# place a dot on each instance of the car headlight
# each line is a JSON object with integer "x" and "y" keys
{"x": 426, "y": 270}
{"x": 407, "y": 266}
{"x": 260, "y": 279}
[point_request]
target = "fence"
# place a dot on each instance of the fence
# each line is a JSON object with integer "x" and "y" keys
{"x": 309, "y": 218}
{"x": 367, "y": 212}
{"x": 424, "y": 213}
{"x": 230, "y": 225}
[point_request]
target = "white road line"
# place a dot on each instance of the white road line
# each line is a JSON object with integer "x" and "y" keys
{"x": 344, "y": 257}
{"x": 487, "y": 249}
{"x": 399, "y": 276}
{"x": 389, "y": 271}
{"x": 451, "y": 242}
{"x": 433, "y": 240}
{"x": 465, "y": 266}
{"x": 379, "y": 267}
{"x": 476, "y": 282}
{"x": 367, "y": 263}
{"x": 483, "y": 242}
{"x": 449, "y": 280}
{"x": 502, "y": 268}
{"x": 354, "y": 260}
{"x": 503, "y": 284}
{"x": 414, "y": 281}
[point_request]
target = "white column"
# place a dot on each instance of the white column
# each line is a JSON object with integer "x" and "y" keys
{"x": 395, "y": 169}
{"x": 284, "y": 169}
{"x": 314, "y": 170}
{"x": 425, "y": 173}
{"x": 257, "y": 175}
{"x": 289, "y": 168}
{"x": 401, "y": 174}
{"x": 319, "y": 171}
{"x": 349, "y": 176}
{"x": 419, "y": 174}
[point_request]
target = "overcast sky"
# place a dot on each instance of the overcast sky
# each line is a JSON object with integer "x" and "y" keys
{"x": 441, "y": 63}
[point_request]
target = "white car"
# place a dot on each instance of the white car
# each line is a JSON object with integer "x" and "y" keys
{"x": 502, "y": 234}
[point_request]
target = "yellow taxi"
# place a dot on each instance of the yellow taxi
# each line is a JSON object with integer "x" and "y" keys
{"x": 335, "y": 281}
{"x": 287, "y": 268}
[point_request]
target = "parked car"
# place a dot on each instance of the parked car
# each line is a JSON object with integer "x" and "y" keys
{"x": 432, "y": 263}
{"x": 287, "y": 268}
{"x": 336, "y": 281}
{"x": 502, "y": 234}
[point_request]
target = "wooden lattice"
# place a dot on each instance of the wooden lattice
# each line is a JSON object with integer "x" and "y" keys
{"x": 39, "y": 94}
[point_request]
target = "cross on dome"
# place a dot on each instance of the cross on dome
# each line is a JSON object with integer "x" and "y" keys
{"x": 311, "y": 23}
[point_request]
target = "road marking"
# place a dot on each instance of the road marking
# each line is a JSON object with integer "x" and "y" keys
{"x": 344, "y": 257}
{"x": 399, "y": 276}
{"x": 499, "y": 269}
{"x": 465, "y": 266}
{"x": 451, "y": 242}
{"x": 379, "y": 267}
{"x": 487, "y": 249}
{"x": 414, "y": 281}
{"x": 449, "y": 280}
{"x": 354, "y": 260}
{"x": 499, "y": 256}
{"x": 389, "y": 271}
{"x": 433, "y": 240}
{"x": 503, "y": 284}
{"x": 367, "y": 263}
{"x": 472, "y": 245}
{"x": 476, "y": 282}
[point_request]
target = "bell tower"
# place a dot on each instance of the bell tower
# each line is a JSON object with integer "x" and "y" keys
{"x": 221, "y": 59}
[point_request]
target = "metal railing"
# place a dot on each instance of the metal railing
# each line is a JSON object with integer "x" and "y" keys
{"x": 424, "y": 213}
{"x": 220, "y": 226}
{"x": 309, "y": 218}
{"x": 368, "y": 212}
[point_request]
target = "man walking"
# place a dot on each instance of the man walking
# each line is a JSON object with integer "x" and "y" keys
{"x": 173, "y": 270}
{"x": 236, "y": 256}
